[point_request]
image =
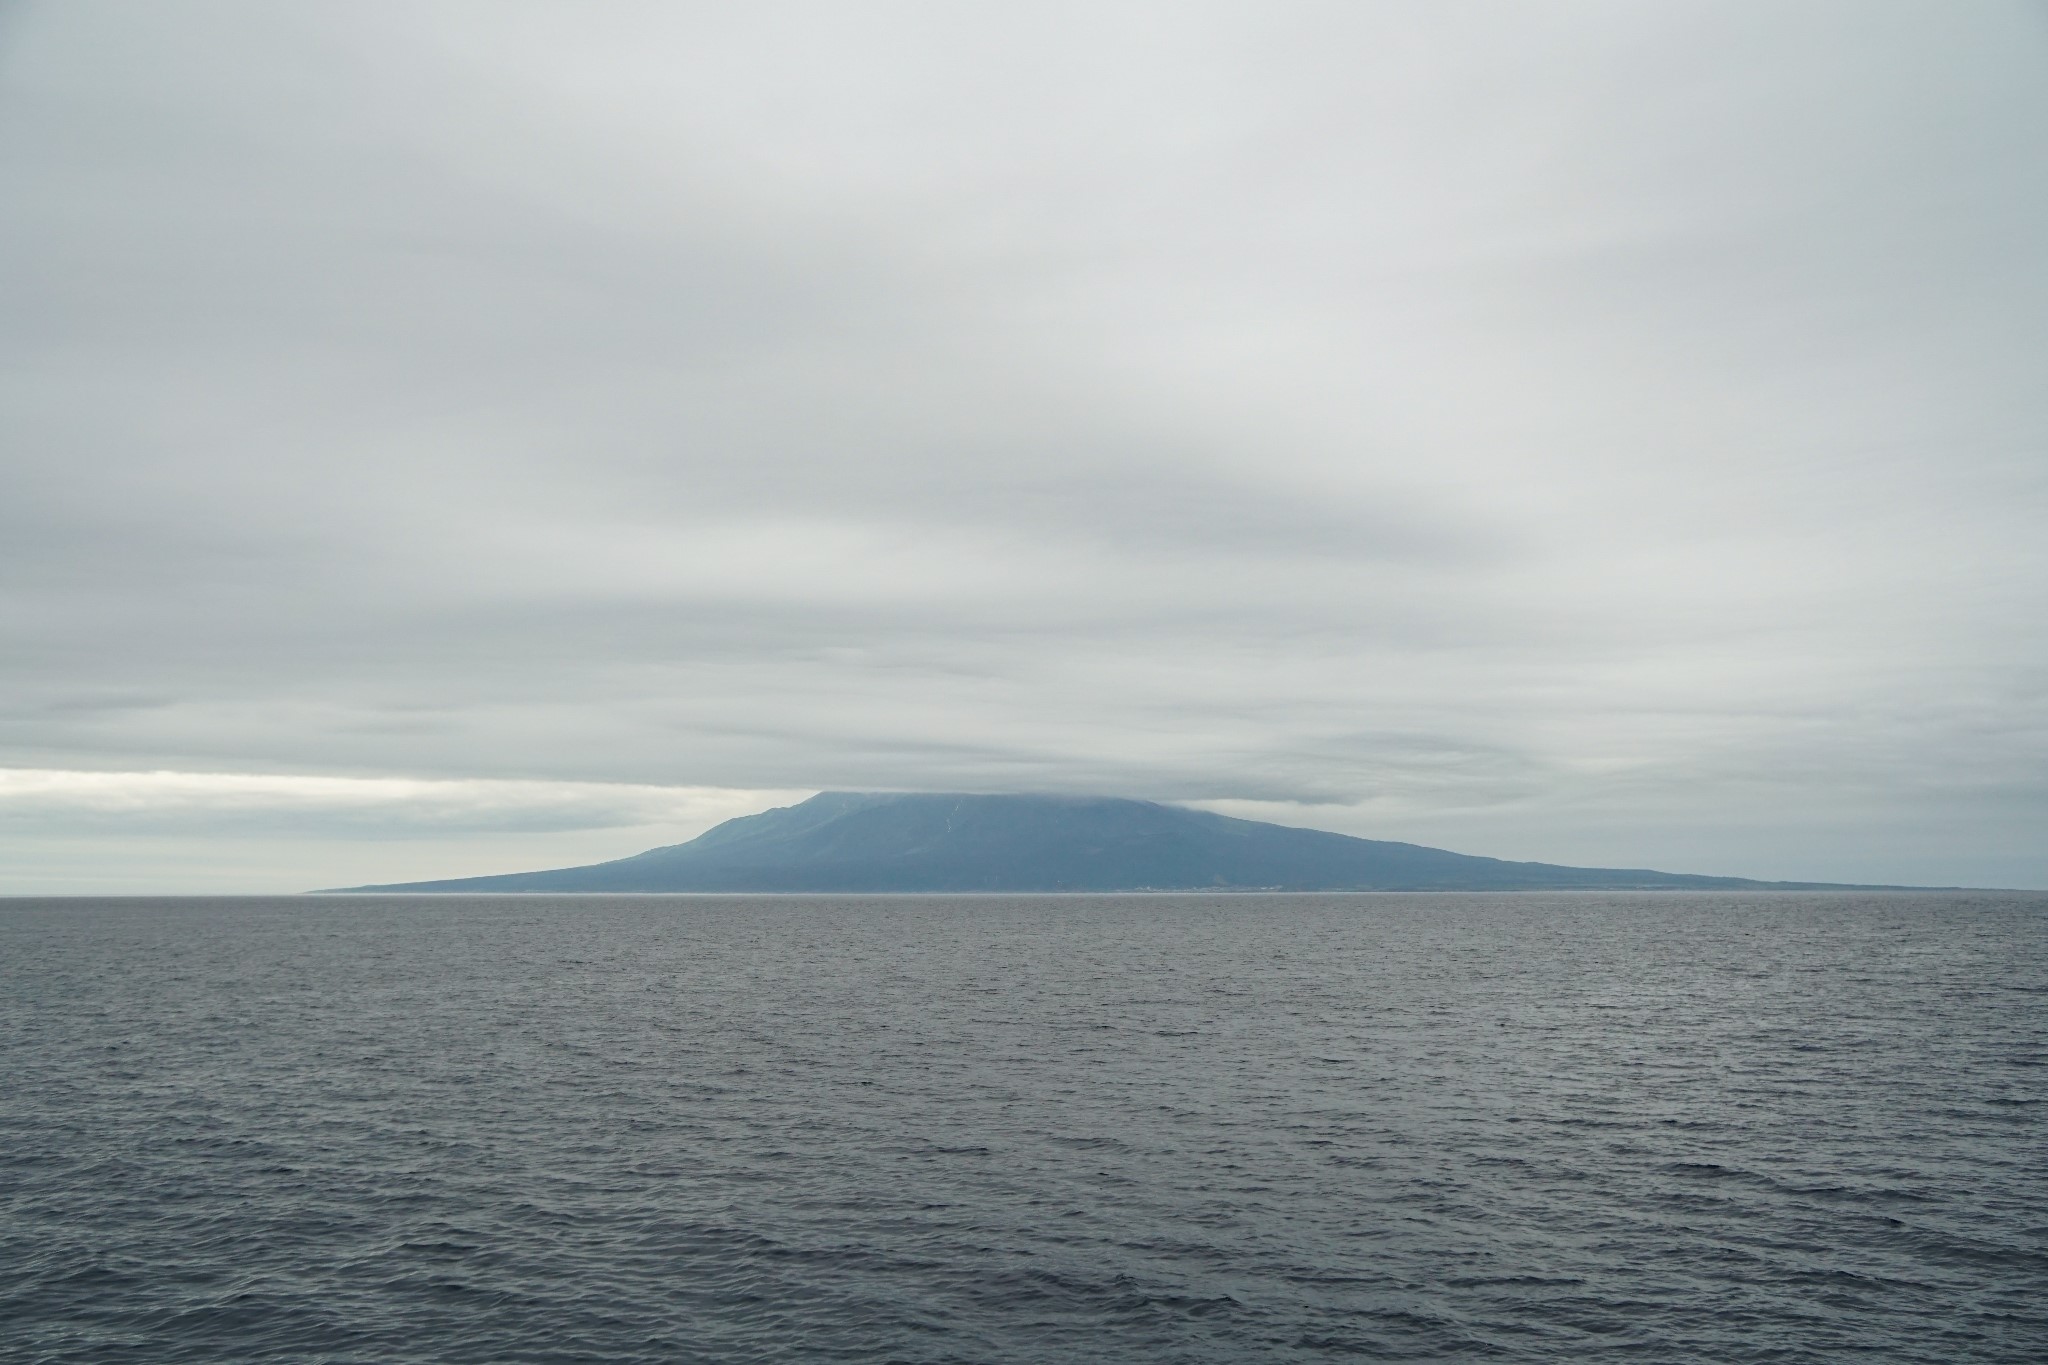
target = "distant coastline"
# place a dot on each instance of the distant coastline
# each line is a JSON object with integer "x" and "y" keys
{"x": 841, "y": 843}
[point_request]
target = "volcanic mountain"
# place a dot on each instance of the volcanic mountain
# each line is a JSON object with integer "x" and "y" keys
{"x": 909, "y": 842}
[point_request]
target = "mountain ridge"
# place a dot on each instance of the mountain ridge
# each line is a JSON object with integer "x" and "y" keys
{"x": 911, "y": 842}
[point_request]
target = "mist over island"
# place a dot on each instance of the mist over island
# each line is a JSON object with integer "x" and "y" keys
{"x": 946, "y": 842}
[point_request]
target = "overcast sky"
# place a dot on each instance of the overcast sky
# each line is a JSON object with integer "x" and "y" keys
{"x": 455, "y": 438}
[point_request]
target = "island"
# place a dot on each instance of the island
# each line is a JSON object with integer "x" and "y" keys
{"x": 894, "y": 842}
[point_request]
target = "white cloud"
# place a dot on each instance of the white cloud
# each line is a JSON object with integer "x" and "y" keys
{"x": 351, "y": 807}
{"x": 78, "y": 832}
{"x": 1458, "y": 415}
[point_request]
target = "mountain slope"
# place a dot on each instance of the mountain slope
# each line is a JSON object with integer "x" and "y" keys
{"x": 883, "y": 842}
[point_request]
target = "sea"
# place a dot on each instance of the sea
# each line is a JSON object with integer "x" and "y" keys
{"x": 1145, "y": 1128}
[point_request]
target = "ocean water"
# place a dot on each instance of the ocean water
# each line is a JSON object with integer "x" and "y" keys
{"x": 1146, "y": 1128}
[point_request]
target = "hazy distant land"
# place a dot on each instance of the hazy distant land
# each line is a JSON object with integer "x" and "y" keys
{"x": 895, "y": 842}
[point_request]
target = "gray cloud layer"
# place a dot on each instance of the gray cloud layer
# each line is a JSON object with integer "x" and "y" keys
{"x": 1592, "y": 432}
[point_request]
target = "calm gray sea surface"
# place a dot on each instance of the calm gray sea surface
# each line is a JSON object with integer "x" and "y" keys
{"x": 1140, "y": 1128}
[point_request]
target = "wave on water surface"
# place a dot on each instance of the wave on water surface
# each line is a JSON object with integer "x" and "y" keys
{"x": 1570, "y": 1127}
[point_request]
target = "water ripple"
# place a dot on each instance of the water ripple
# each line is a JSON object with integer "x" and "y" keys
{"x": 1168, "y": 1128}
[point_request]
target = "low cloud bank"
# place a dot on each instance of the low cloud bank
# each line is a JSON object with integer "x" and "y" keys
{"x": 59, "y": 801}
